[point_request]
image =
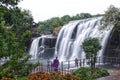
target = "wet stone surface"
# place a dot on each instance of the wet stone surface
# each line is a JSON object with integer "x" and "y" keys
{"x": 114, "y": 75}
{"x": 110, "y": 78}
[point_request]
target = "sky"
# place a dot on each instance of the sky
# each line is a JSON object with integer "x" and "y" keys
{"x": 45, "y": 9}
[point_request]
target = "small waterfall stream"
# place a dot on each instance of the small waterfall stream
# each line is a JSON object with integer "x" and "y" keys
{"x": 41, "y": 46}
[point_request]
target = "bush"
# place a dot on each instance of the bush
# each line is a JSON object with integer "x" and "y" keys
{"x": 101, "y": 72}
{"x": 18, "y": 69}
{"x": 84, "y": 73}
{"x": 19, "y": 78}
{"x": 1, "y": 75}
{"x": 51, "y": 76}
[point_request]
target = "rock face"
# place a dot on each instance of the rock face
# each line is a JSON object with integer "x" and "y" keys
{"x": 56, "y": 31}
{"x": 113, "y": 46}
{"x": 49, "y": 47}
{"x": 110, "y": 78}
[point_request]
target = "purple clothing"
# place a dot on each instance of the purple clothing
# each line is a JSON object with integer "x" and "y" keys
{"x": 55, "y": 63}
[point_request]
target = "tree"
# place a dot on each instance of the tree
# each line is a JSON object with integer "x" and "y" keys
{"x": 76, "y": 17}
{"x": 9, "y": 2}
{"x": 49, "y": 25}
{"x": 65, "y": 19}
{"x": 8, "y": 42}
{"x": 54, "y": 22}
{"x": 91, "y": 46}
{"x": 112, "y": 18}
{"x": 17, "y": 20}
{"x": 85, "y": 15}
{"x": 15, "y": 27}
{"x": 13, "y": 52}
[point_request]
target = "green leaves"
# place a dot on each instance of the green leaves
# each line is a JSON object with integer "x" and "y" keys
{"x": 84, "y": 73}
{"x": 111, "y": 16}
{"x": 91, "y": 46}
{"x": 25, "y": 35}
{"x": 15, "y": 25}
{"x": 10, "y": 2}
{"x": 18, "y": 21}
{"x": 65, "y": 19}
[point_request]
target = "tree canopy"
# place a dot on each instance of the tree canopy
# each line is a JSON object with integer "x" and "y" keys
{"x": 15, "y": 26}
{"x": 9, "y": 2}
{"x": 91, "y": 46}
{"x": 111, "y": 16}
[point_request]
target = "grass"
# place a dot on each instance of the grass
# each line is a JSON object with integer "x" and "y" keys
{"x": 20, "y": 78}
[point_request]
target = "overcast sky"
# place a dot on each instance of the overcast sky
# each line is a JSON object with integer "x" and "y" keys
{"x": 45, "y": 9}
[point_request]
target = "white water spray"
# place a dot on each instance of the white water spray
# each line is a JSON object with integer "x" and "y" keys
{"x": 72, "y": 35}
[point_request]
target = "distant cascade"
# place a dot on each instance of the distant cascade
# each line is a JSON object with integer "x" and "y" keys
{"x": 72, "y": 35}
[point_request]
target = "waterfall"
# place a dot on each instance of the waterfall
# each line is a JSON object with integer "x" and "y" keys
{"x": 70, "y": 39}
{"x": 34, "y": 48}
{"x": 71, "y": 36}
{"x": 39, "y": 45}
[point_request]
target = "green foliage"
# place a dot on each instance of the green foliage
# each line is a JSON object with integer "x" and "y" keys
{"x": 65, "y": 19}
{"x": 26, "y": 35}
{"x": 49, "y": 25}
{"x": 15, "y": 26}
{"x": 85, "y": 15}
{"x": 111, "y": 16}
{"x": 18, "y": 21}
{"x": 17, "y": 66}
{"x": 10, "y": 2}
{"x": 20, "y": 78}
{"x": 1, "y": 75}
{"x": 54, "y": 22}
{"x": 25, "y": 38}
{"x": 84, "y": 73}
{"x": 7, "y": 42}
{"x": 15, "y": 19}
{"x": 101, "y": 72}
{"x": 91, "y": 46}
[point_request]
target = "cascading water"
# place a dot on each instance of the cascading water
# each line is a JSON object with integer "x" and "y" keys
{"x": 34, "y": 47}
{"x": 71, "y": 36}
{"x": 40, "y": 45}
{"x": 70, "y": 39}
